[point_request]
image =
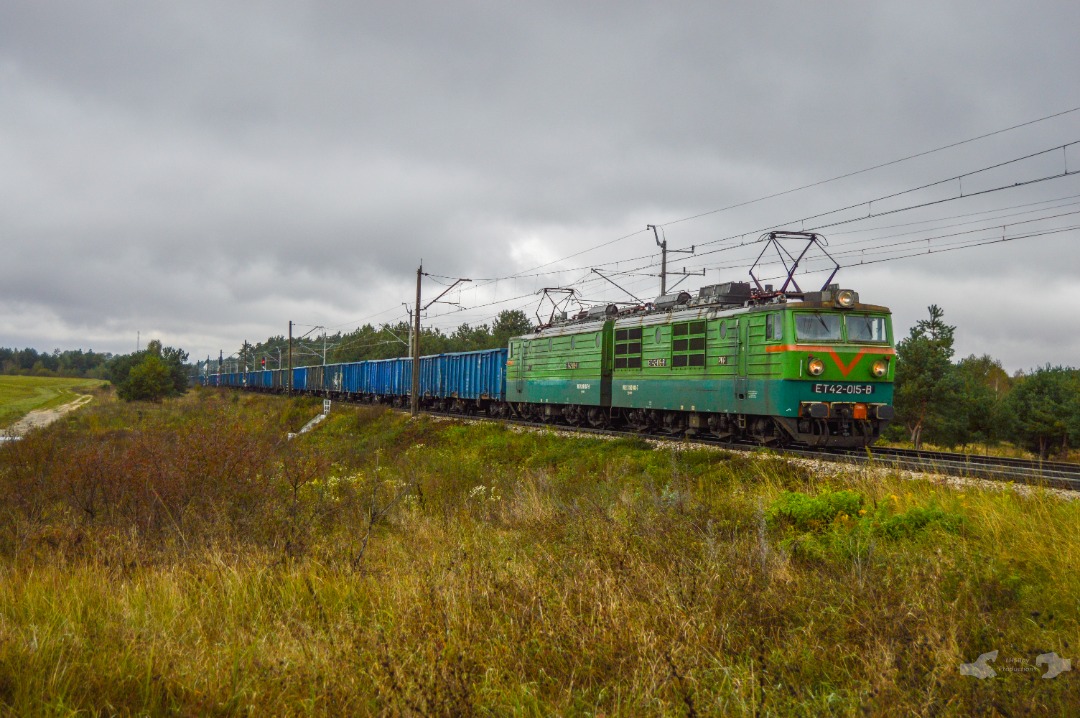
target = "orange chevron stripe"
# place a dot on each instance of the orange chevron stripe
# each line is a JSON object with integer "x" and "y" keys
{"x": 846, "y": 369}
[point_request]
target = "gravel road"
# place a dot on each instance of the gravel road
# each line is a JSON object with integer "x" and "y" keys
{"x": 42, "y": 417}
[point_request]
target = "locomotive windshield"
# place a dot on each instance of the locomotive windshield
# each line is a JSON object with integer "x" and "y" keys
{"x": 865, "y": 329}
{"x": 817, "y": 327}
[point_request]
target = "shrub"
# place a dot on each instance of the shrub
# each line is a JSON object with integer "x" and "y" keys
{"x": 918, "y": 518}
{"x": 149, "y": 380}
{"x": 811, "y": 513}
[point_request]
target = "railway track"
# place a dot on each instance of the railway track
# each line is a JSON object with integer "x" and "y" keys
{"x": 1051, "y": 474}
{"x": 1058, "y": 475}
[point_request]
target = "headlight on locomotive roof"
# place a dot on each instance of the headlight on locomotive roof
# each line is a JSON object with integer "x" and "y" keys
{"x": 846, "y": 298}
{"x": 880, "y": 368}
{"x": 816, "y": 367}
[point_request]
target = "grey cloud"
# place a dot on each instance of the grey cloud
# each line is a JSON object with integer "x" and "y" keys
{"x": 216, "y": 169}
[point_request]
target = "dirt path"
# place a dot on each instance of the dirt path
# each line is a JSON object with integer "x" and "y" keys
{"x": 43, "y": 417}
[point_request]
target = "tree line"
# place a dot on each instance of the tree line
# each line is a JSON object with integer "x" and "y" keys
{"x": 387, "y": 341}
{"x": 71, "y": 363}
{"x": 975, "y": 401}
{"x": 151, "y": 374}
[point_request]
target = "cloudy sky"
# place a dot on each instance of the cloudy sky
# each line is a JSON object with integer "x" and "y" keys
{"x": 204, "y": 172}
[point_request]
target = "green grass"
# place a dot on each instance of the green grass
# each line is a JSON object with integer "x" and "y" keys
{"x": 19, "y": 395}
{"x": 186, "y": 559}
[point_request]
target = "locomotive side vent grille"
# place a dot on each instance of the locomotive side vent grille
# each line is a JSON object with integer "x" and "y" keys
{"x": 628, "y": 348}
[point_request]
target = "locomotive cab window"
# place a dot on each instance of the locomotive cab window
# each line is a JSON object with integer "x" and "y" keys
{"x": 774, "y": 327}
{"x": 865, "y": 329}
{"x": 688, "y": 344}
{"x": 817, "y": 327}
{"x": 628, "y": 348}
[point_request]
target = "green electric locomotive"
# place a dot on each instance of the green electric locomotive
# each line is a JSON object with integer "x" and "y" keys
{"x": 737, "y": 362}
{"x": 816, "y": 370}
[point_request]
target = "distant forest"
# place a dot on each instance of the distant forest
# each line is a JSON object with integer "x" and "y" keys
{"x": 71, "y": 363}
{"x": 369, "y": 342}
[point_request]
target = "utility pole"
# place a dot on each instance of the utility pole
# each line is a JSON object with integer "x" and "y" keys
{"x": 289, "y": 380}
{"x": 414, "y": 398}
{"x": 663, "y": 259}
{"x": 414, "y": 401}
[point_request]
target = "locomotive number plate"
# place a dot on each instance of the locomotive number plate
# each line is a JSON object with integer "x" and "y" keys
{"x": 853, "y": 389}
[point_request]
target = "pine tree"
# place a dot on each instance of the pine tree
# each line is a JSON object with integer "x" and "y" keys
{"x": 1044, "y": 408}
{"x": 928, "y": 389}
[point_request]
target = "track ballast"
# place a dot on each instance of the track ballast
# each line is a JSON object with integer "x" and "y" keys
{"x": 1057, "y": 475}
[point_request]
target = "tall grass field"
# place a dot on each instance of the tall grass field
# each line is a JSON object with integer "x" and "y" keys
{"x": 20, "y": 395}
{"x": 187, "y": 559}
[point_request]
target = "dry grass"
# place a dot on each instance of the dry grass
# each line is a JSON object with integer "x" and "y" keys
{"x": 1003, "y": 449}
{"x": 186, "y": 559}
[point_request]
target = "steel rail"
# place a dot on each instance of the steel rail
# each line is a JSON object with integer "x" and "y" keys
{"x": 1058, "y": 475}
{"x": 1051, "y": 474}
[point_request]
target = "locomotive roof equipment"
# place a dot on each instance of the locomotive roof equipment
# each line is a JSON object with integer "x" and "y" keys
{"x": 773, "y": 240}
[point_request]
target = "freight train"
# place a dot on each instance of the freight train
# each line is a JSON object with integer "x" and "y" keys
{"x": 736, "y": 362}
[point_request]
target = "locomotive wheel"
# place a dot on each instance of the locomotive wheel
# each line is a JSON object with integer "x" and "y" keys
{"x": 597, "y": 418}
{"x": 639, "y": 420}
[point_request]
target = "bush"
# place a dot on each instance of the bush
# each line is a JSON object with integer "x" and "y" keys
{"x": 149, "y": 375}
{"x": 149, "y": 380}
{"x": 918, "y": 518}
{"x": 810, "y": 513}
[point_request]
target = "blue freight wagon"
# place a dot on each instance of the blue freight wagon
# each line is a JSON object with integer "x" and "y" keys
{"x": 278, "y": 380}
{"x": 299, "y": 379}
{"x": 389, "y": 379}
{"x": 402, "y": 377}
{"x": 479, "y": 375}
{"x": 314, "y": 381}
{"x": 352, "y": 379}
{"x": 460, "y": 381}
{"x": 431, "y": 382}
{"x": 332, "y": 379}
